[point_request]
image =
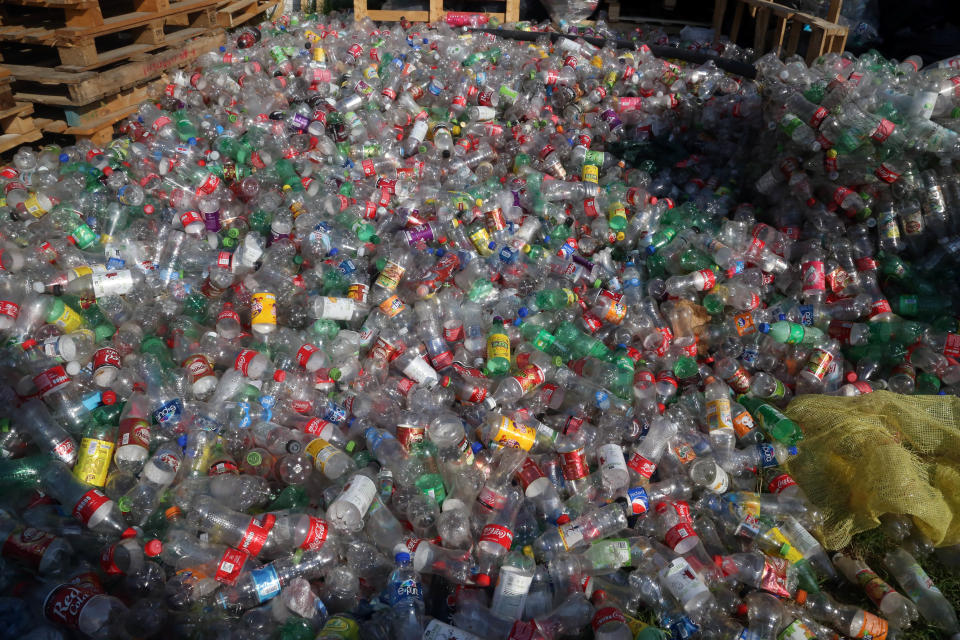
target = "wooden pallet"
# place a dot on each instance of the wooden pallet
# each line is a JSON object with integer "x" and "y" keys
{"x": 65, "y": 88}
{"x": 234, "y": 13}
{"x": 83, "y": 47}
{"x": 510, "y": 13}
{"x": 6, "y": 93}
{"x": 773, "y": 21}
{"x": 17, "y": 126}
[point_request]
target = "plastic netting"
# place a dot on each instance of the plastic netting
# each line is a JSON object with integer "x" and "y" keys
{"x": 880, "y": 453}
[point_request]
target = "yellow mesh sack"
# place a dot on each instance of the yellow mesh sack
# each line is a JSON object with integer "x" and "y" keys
{"x": 880, "y": 453}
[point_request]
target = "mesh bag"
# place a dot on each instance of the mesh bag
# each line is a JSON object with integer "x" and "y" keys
{"x": 880, "y": 453}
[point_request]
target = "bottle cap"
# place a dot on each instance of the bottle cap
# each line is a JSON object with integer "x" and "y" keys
{"x": 482, "y": 580}
{"x": 182, "y": 440}
{"x": 801, "y": 596}
{"x": 129, "y": 533}
{"x": 764, "y": 327}
{"x": 64, "y": 157}
{"x": 476, "y": 447}
{"x": 172, "y": 512}
{"x": 563, "y": 519}
{"x": 792, "y": 450}
{"x": 108, "y": 398}
{"x": 153, "y": 548}
{"x": 402, "y": 557}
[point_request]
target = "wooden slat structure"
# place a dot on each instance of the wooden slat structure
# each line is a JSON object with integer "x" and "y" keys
{"x": 434, "y": 12}
{"x": 17, "y": 127}
{"x": 777, "y": 28}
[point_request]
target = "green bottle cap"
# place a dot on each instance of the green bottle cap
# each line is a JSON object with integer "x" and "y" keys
{"x": 104, "y": 331}
{"x": 254, "y": 458}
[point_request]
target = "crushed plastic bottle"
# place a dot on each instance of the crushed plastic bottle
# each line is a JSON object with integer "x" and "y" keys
{"x": 411, "y": 331}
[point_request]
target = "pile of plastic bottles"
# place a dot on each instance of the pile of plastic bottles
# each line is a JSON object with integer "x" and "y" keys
{"x": 414, "y": 332}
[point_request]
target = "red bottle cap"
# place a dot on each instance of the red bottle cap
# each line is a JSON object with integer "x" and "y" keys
{"x": 153, "y": 548}
{"x": 108, "y": 398}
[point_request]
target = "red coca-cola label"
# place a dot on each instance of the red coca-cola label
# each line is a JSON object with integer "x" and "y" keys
{"x": 951, "y": 345}
{"x": 641, "y": 465}
{"x": 134, "y": 431}
{"x": 523, "y": 630}
{"x": 222, "y": 467}
{"x": 498, "y": 534}
{"x": 65, "y": 449}
{"x": 9, "y": 309}
{"x": 883, "y": 130}
{"x": 606, "y": 615}
{"x": 51, "y": 380}
{"x": 228, "y": 314}
{"x": 781, "y": 482}
{"x": 107, "y": 562}
{"x": 774, "y": 578}
{"x": 453, "y": 334}
{"x": 879, "y": 307}
{"x": 316, "y": 534}
{"x": 27, "y": 545}
{"x": 573, "y": 464}
{"x": 88, "y": 505}
{"x": 442, "y": 360}
{"x": 256, "y": 534}
{"x": 529, "y": 472}
{"x": 244, "y": 358}
{"x": 304, "y": 353}
{"x": 64, "y": 605}
{"x": 886, "y": 174}
{"x": 106, "y": 357}
{"x": 678, "y": 533}
{"x": 230, "y": 565}
{"x": 491, "y": 499}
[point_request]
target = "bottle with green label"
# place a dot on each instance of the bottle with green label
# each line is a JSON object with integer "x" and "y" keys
{"x": 772, "y": 421}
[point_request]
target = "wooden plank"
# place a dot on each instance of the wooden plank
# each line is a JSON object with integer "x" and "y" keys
{"x": 796, "y": 28}
{"x": 394, "y": 16}
{"x": 82, "y": 116}
{"x": 833, "y": 11}
{"x": 513, "y": 11}
{"x": 779, "y": 32}
{"x": 53, "y": 4}
{"x": 128, "y": 20}
{"x": 737, "y": 18}
{"x": 719, "y": 9}
{"x": 760, "y": 29}
{"x": 12, "y": 140}
{"x": 815, "y": 47}
{"x": 613, "y": 11}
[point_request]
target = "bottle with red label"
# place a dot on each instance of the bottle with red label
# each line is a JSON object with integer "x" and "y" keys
{"x": 257, "y": 586}
{"x": 496, "y": 535}
{"x": 898, "y": 610}
{"x": 609, "y": 622}
{"x": 11, "y": 295}
{"x": 86, "y": 503}
{"x": 757, "y": 570}
{"x": 643, "y": 458}
{"x": 35, "y": 419}
{"x": 35, "y": 549}
{"x": 80, "y": 605}
{"x": 251, "y": 534}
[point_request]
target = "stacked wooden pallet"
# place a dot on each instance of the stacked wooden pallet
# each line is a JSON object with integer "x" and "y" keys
{"x": 87, "y": 64}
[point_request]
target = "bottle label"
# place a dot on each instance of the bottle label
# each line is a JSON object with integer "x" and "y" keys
{"x": 266, "y": 582}
{"x": 9, "y": 309}
{"x": 530, "y": 377}
{"x": 64, "y": 605}
{"x": 134, "y": 432}
{"x": 304, "y": 353}
{"x": 28, "y": 545}
{"x": 923, "y": 583}
{"x": 230, "y": 566}
{"x": 571, "y": 534}
{"x": 780, "y": 483}
{"x": 391, "y": 275}
{"x": 359, "y": 492}
{"x": 743, "y": 423}
{"x": 743, "y": 323}
{"x": 244, "y": 358}
{"x": 613, "y": 553}
{"x": 88, "y": 505}
{"x": 871, "y": 628}
{"x": 606, "y": 615}
{"x": 491, "y": 499}
{"x": 573, "y": 464}
{"x": 263, "y": 309}
{"x": 791, "y": 554}
{"x": 112, "y": 283}
{"x": 497, "y": 534}
{"x": 883, "y": 130}
{"x": 321, "y": 451}
{"x": 718, "y": 415}
{"x": 638, "y": 500}
{"x": 198, "y": 367}
{"x": 106, "y": 358}
{"x": 318, "y": 427}
{"x": 316, "y": 534}
{"x": 796, "y": 630}
{"x": 410, "y": 434}
{"x": 678, "y": 533}
{"x": 875, "y": 587}
{"x": 814, "y": 278}
{"x": 51, "y": 380}
{"x": 169, "y": 411}
{"x": 641, "y": 465}
{"x": 682, "y": 581}
{"x": 498, "y": 346}
{"x": 392, "y": 306}
{"x": 256, "y": 534}
{"x": 93, "y": 461}
{"x": 819, "y": 363}
{"x": 610, "y": 458}
{"x": 513, "y": 434}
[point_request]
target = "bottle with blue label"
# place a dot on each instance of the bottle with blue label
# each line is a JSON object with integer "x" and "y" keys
{"x": 406, "y": 599}
{"x": 261, "y": 585}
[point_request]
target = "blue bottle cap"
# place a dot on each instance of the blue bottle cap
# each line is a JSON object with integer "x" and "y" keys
{"x": 440, "y": 252}
{"x": 793, "y": 450}
{"x": 191, "y": 141}
{"x": 517, "y": 322}
{"x": 523, "y": 312}
{"x": 222, "y": 48}
{"x": 64, "y": 157}
{"x": 476, "y": 447}
{"x": 334, "y": 251}
{"x": 182, "y": 441}
{"x": 402, "y": 557}
{"x": 546, "y": 238}
{"x": 764, "y": 327}
{"x": 651, "y": 250}
{"x": 492, "y": 245}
